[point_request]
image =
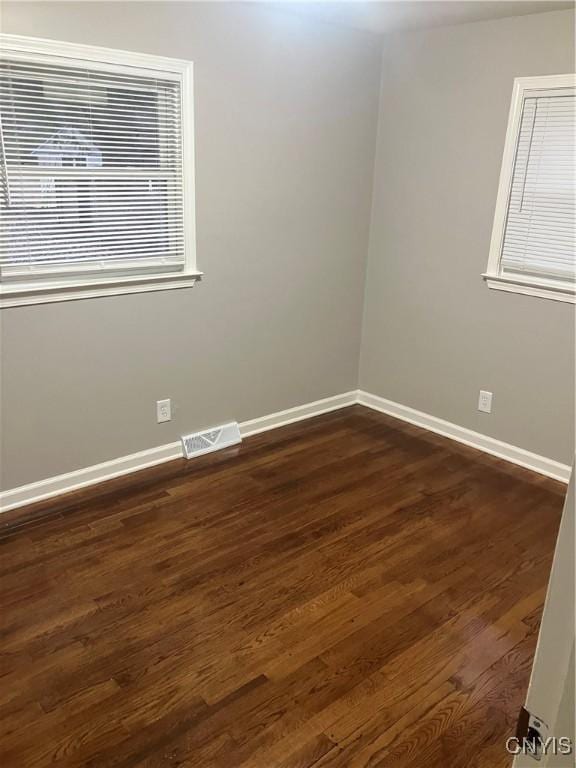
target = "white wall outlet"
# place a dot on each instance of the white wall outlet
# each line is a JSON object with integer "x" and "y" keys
{"x": 163, "y": 411}
{"x": 485, "y": 401}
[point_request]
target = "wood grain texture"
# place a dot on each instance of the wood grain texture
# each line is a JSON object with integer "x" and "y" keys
{"x": 345, "y": 592}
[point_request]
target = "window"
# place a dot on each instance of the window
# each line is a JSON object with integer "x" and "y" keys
{"x": 533, "y": 241}
{"x": 97, "y": 173}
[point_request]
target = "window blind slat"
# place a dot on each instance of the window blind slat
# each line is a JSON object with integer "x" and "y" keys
{"x": 540, "y": 232}
{"x": 92, "y": 166}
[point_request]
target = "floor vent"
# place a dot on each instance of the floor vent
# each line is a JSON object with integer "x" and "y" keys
{"x": 210, "y": 440}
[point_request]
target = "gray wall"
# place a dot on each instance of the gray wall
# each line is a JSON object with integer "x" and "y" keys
{"x": 434, "y": 334}
{"x": 286, "y": 115}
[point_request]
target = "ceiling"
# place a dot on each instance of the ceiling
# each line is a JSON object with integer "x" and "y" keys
{"x": 382, "y": 16}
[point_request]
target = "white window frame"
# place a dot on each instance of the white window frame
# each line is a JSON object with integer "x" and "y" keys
{"x": 531, "y": 286}
{"x": 88, "y": 283}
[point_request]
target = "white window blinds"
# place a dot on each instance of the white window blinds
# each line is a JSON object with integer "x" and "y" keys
{"x": 92, "y": 172}
{"x": 539, "y": 232}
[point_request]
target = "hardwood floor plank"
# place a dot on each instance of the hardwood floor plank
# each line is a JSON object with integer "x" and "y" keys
{"x": 346, "y": 592}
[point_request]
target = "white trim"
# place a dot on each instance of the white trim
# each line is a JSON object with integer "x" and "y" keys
{"x": 299, "y": 413}
{"x": 493, "y": 276}
{"x": 22, "y": 294}
{"x": 491, "y": 445}
{"x": 504, "y": 283}
{"x": 42, "y": 291}
{"x": 551, "y": 681}
{"x": 82, "y": 478}
{"x": 56, "y": 50}
{"x": 98, "y": 473}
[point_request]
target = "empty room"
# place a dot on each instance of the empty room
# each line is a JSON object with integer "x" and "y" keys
{"x": 287, "y": 384}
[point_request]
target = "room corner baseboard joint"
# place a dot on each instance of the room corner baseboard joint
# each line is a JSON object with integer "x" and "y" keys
{"x": 108, "y": 470}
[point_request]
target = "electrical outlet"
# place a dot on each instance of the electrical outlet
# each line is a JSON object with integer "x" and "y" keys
{"x": 163, "y": 411}
{"x": 485, "y": 401}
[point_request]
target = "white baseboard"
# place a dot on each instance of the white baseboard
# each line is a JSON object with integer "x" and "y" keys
{"x": 512, "y": 453}
{"x": 108, "y": 470}
{"x": 81, "y": 478}
{"x": 299, "y": 413}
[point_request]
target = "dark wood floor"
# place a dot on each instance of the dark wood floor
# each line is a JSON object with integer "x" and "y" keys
{"x": 349, "y": 591}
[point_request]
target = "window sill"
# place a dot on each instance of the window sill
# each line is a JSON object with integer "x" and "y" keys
{"x": 25, "y": 294}
{"x": 531, "y": 288}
